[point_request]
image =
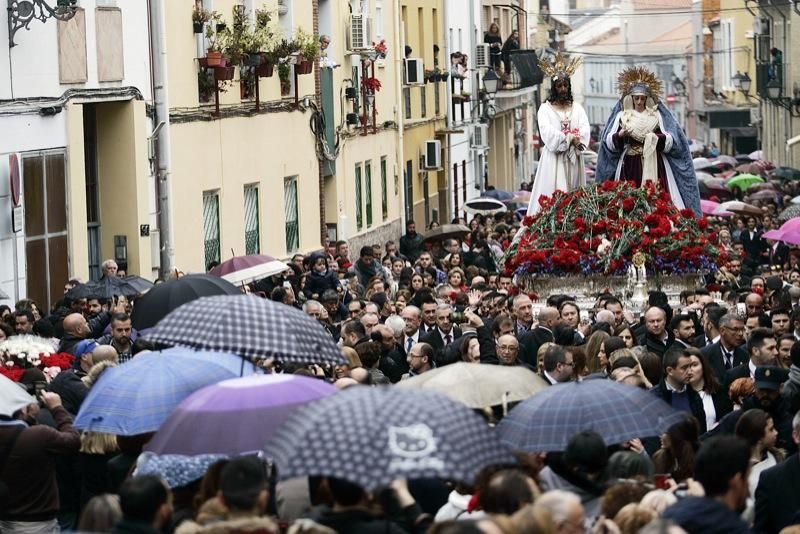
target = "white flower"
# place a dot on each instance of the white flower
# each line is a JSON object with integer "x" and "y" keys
{"x": 10, "y": 363}
{"x": 605, "y": 244}
{"x": 21, "y": 346}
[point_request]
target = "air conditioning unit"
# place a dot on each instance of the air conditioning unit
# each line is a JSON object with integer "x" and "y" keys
{"x": 432, "y": 158}
{"x": 414, "y": 72}
{"x": 358, "y": 36}
{"x": 482, "y": 56}
{"x": 480, "y": 136}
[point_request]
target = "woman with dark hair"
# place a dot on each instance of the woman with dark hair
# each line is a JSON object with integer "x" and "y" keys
{"x": 417, "y": 283}
{"x": 704, "y": 381}
{"x": 470, "y": 348}
{"x": 679, "y": 445}
{"x": 596, "y": 359}
{"x": 757, "y": 428}
{"x": 511, "y": 44}
{"x": 624, "y": 332}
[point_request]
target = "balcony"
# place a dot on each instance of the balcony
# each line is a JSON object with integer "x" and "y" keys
{"x": 766, "y": 72}
{"x": 525, "y": 74}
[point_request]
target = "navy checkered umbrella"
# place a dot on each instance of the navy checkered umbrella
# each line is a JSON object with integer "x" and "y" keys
{"x": 618, "y": 412}
{"x": 372, "y": 436}
{"x": 250, "y": 327}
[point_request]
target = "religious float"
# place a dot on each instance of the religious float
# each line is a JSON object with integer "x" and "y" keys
{"x": 614, "y": 237}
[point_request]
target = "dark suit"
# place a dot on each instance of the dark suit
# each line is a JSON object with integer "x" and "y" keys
{"x": 655, "y": 345}
{"x": 713, "y": 355}
{"x": 753, "y": 246}
{"x": 778, "y": 255}
{"x": 778, "y": 496}
{"x": 434, "y": 339}
{"x": 530, "y": 342}
{"x": 695, "y": 402}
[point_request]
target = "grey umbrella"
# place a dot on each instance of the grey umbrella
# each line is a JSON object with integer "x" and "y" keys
{"x": 250, "y": 327}
{"x": 789, "y": 213}
{"x": 372, "y": 436}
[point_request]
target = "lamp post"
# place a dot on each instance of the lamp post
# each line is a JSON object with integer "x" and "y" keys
{"x": 745, "y": 83}
{"x": 774, "y": 90}
{"x": 490, "y": 82}
{"x": 22, "y": 12}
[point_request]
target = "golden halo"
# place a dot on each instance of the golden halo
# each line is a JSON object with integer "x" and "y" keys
{"x": 638, "y": 77}
{"x": 560, "y": 67}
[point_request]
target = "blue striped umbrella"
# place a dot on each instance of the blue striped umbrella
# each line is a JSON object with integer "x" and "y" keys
{"x": 136, "y": 397}
{"x": 618, "y": 412}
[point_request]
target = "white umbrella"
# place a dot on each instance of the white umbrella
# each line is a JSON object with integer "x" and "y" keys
{"x": 735, "y": 206}
{"x": 796, "y": 200}
{"x": 479, "y": 385}
{"x": 701, "y": 163}
{"x": 758, "y": 154}
{"x": 12, "y": 397}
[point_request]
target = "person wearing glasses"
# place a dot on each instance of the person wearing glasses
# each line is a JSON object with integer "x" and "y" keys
{"x": 420, "y": 360}
{"x": 558, "y": 365}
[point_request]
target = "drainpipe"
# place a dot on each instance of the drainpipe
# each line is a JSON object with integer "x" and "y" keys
{"x": 787, "y": 119}
{"x": 158, "y": 58}
{"x": 323, "y": 228}
{"x": 399, "y": 43}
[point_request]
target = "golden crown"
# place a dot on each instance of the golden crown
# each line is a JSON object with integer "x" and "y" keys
{"x": 639, "y": 79}
{"x": 561, "y": 67}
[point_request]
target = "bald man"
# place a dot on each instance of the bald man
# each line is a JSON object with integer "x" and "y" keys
{"x": 508, "y": 350}
{"x": 530, "y": 341}
{"x": 77, "y": 328}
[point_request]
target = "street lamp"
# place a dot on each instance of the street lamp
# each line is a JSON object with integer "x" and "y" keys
{"x": 745, "y": 83}
{"x": 773, "y": 89}
{"x": 490, "y": 82}
{"x": 737, "y": 80}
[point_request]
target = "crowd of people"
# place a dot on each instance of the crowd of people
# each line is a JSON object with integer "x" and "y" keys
{"x": 726, "y": 356}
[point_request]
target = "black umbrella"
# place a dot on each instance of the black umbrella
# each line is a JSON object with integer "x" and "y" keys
{"x": 164, "y": 298}
{"x": 250, "y": 327}
{"x": 485, "y": 205}
{"x": 786, "y": 173}
{"x": 389, "y": 434}
{"x": 142, "y": 285}
{"x": 105, "y": 288}
{"x": 446, "y": 231}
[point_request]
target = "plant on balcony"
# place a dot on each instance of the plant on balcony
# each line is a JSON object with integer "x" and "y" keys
{"x": 308, "y": 51}
{"x": 200, "y": 17}
{"x": 265, "y": 16}
{"x": 205, "y": 85}
{"x": 371, "y": 85}
{"x": 216, "y": 41}
{"x": 433, "y": 75}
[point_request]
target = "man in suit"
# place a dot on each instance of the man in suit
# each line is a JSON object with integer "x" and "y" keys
{"x": 778, "y": 252}
{"x": 442, "y": 336}
{"x": 727, "y": 353}
{"x": 778, "y": 492}
{"x": 763, "y": 351}
{"x": 411, "y": 333}
{"x": 543, "y": 333}
{"x": 709, "y": 322}
{"x": 674, "y": 387}
{"x": 429, "y": 308}
{"x": 754, "y": 245}
{"x": 682, "y": 328}
{"x": 523, "y": 313}
{"x": 558, "y": 365}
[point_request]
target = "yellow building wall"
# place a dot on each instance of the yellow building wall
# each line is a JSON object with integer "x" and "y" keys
{"x": 122, "y": 154}
{"x": 743, "y": 49}
{"x": 76, "y": 194}
{"x": 226, "y": 155}
{"x": 423, "y": 25}
{"x": 500, "y": 158}
{"x": 182, "y": 50}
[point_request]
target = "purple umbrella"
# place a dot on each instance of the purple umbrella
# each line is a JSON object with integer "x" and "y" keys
{"x": 246, "y": 269}
{"x": 235, "y": 416}
{"x": 765, "y": 194}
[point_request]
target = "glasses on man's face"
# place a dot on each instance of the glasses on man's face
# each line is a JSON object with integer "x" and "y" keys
{"x": 507, "y": 348}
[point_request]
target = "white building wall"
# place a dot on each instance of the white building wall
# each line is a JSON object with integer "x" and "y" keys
{"x": 31, "y": 70}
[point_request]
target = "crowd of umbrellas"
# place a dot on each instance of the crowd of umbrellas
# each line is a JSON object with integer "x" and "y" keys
{"x": 206, "y": 397}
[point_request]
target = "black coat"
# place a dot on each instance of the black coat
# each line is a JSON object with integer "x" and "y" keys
{"x": 753, "y": 247}
{"x": 656, "y": 346}
{"x": 411, "y": 246}
{"x": 778, "y": 496}
{"x": 713, "y": 355}
{"x": 434, "y": 339}
{"x": 695, "y": 403}
{"x": 317, "y": 283}
{"x": 530, "y": 342}
{"x": 704, "y": 515}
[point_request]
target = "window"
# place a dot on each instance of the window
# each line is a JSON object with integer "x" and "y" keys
{"x": 252, "y": 235}
{"x": 723, "y": 55}
{"x": 426, "y": 197}
{"x": 359, "y": 210}
{"x": 407, "y": 101}
{"x": 378, "y": 20}
{"x": 423, "y": 105}
{"x": 291, "y": 214}
{"x": 211, "y": 226}
{"x": 436, "y": 99}
{"x": 384, "y": 192}
{"x": 368, "y": 192}
{"x": 408, "y": 185}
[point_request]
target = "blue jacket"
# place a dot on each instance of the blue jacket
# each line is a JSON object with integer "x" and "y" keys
{"x": 703, "y": 515}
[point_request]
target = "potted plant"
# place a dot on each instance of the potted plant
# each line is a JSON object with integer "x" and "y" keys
{"x": 371, "y": 85}
{"x": 205, "y": 85}
{"x": 216, "y": 42}
{"x": 308, "y": 51}
{"x": 200, "y": 17}
{"x": 264, "y": 17}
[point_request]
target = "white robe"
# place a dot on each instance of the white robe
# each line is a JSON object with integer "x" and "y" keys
{"x": 559, "y": 167}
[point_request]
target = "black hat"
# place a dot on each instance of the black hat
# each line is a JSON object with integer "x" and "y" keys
{"x": 770, "y": 377}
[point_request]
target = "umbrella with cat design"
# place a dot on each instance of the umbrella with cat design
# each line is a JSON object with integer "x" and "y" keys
{"x": 372, "y": 436}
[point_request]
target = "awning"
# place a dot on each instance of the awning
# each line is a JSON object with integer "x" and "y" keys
{"x": 729, "y": 118}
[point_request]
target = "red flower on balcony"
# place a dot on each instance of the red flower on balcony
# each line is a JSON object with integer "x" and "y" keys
{"x": 371, "y": 85}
